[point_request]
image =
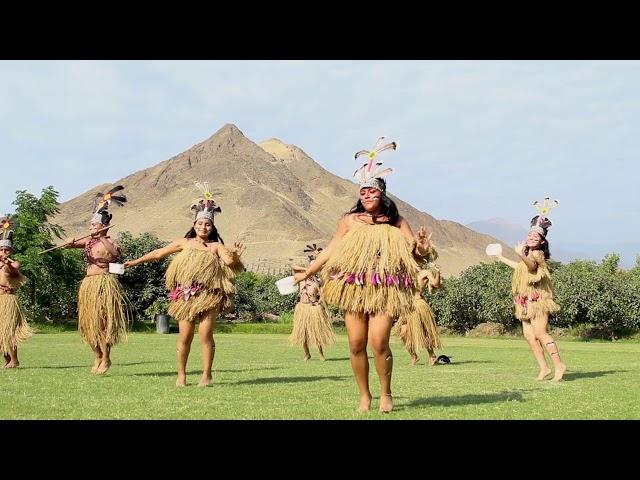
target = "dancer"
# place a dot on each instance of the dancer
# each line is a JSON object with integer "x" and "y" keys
{"x": 14, "y": 329}
{"x": 200, "y": 280}
{"x": 103, "y": 315}
{"x": 370, "y": 269}
{"x": 532, "y": 291}
{"x": 418, "y": 329}
{"x": 311, "y": 322}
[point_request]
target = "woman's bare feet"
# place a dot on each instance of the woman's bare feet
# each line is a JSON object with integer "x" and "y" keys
{"x": 433, "y": 360}
{"x": 96, "y": 364}
{"x": 12, "y": 364}
{"x": 365, "y": 404}
{"x": 103, "y": 367}
{"x": 414, "y": 359}
{"x": 205, "y": 381}
{"x": 182, "y": 380}
{"x": 386, "y": 402}
{"x": 307, "y": 358}
{"x": 543, "y": 374}
{"x": 559, "y": 372}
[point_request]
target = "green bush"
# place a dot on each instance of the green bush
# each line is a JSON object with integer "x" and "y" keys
{"x": 144, "y": 283}
{"x": 258, "y": 295}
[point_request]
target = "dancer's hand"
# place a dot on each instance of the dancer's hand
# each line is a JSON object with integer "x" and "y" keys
{"x": 237, "y": 249}
{"x": 422, "y": 240}
{"x": 299, "y": 277}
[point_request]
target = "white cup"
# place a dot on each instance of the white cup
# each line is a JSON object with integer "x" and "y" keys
{"x": 117, "y": 268}
{"x": 494, "y": 249}
{"x": 285, "y": 286}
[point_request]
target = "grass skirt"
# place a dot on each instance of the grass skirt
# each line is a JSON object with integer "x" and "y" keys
{"x": 311, "y": 325}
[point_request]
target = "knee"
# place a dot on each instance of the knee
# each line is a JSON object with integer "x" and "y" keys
{"x": 380, "y": 346}
{"x": 357, "y": 347}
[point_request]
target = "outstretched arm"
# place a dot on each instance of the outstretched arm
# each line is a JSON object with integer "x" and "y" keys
{"x": 73, "y": 243}
{"x": 506, "y": 261}
{"x": 158, "y": 254}
{"x": 324, "y": 255}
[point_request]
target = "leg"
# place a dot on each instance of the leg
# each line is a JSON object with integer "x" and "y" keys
{"x": 7, "y": 359}
{"x": 185, "y": 332}
{"x": 13, "y": 358}
{"x": 105, "y": 362}
{"x": 97, "y": 352}
{"x": 432, "y": 357}
{"x": 403, "y": 337}
{"x": 321, "y": 353}
{"x": 540, "y": 328}
{"x": 357, "y": 325}
{"x": 307, "y": 354}
{"x": 536, "y": 348}
{"x": 379, "y": 332}
{"x": 208, "y": 345}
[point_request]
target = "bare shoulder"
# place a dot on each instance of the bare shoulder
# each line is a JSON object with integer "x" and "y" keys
{"x": 346, "y": 221}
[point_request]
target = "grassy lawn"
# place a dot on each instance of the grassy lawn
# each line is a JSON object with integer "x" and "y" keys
{"x": 258, "y": 376}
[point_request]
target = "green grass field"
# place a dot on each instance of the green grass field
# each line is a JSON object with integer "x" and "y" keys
{"x": 259, "y": 376}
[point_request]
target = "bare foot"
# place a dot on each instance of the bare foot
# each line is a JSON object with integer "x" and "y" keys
{"x": 322, "y": 358}
{"x": 414, "y": 360}
{"x": 543, "y": 374}
{"x": 12, "y": 364}
{"x": 559, "y": 372}
{"x": 103, "y": 367}
{"x": 96, "y": 364}
{"x": 182, "y": 380}
{"x": 307, "y": 358}
{"x": 365, "y": 404}
{"x": 7, "y": 359}
{"x": 205, "y": 381}
{"x": 386, "y": 402}
{"x": 433, "y": 361}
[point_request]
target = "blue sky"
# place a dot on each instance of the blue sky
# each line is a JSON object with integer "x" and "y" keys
{"x": 477, "y": 139}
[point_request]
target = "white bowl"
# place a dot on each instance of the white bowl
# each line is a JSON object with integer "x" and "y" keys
{"x": 494, "y": 249}
{"x": 117, "y": 268}
{"x": 285, "y": 286}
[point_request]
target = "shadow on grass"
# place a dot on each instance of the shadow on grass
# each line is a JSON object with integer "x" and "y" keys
{"x": 88, "y": 365}
{"x": 214, "y": 371}
{"x": 570, "y": 376}
{"x": 473, "y": 399}
{"x": 268, "y": 380}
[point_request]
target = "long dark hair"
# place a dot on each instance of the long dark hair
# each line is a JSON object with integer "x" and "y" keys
{"x": 387, "y": 208}
{"x": 544, "y": 248}
{"x": 214, "y": 236}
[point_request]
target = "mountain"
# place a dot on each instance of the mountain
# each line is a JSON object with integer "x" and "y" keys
{"x": 274, "y": 197}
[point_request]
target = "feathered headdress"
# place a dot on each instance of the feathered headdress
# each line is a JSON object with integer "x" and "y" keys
{"x": 101, "y": 204}
{"x": 368, "y": 174}
{"x": 6, "y": 233}
{"x": 540, "y": 223}
{"x": 313, "y": 248}
{"x": 205, "y": 207}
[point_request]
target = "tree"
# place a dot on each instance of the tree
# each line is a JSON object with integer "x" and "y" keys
{"x": 51, "y": 291}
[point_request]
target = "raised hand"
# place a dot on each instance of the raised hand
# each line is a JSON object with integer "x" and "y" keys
{"x": 237, "y": 249}
{"x": 422, "y": 240}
